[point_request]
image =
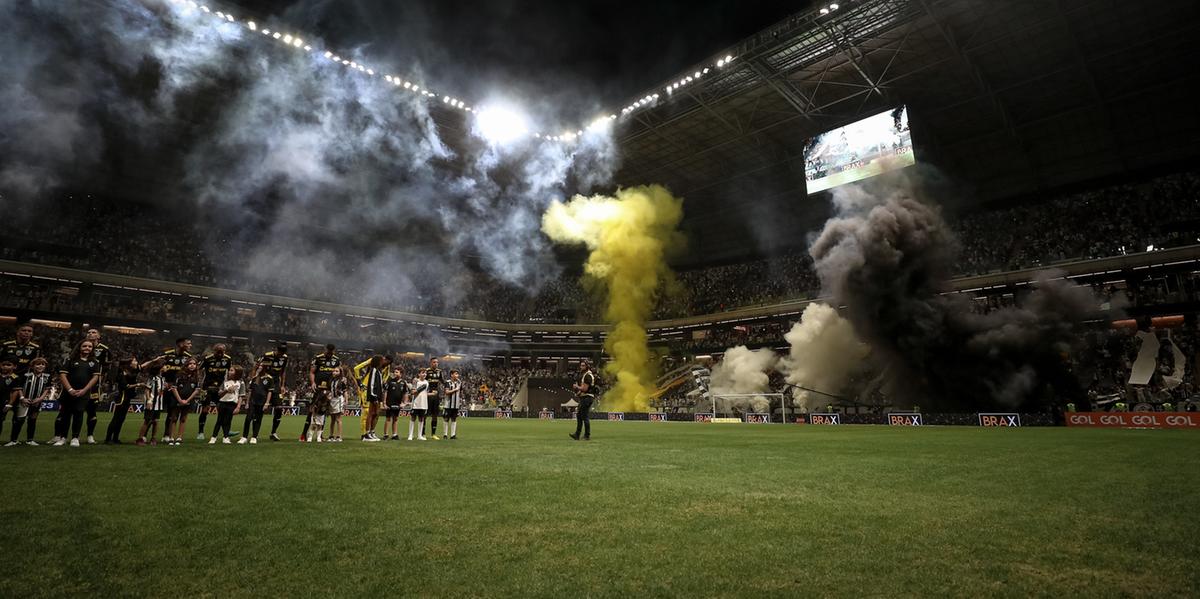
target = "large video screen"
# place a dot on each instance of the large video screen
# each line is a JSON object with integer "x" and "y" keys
{"x": 862, "y": 149}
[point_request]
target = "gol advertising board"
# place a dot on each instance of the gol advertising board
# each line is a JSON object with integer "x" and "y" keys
{"x": 1135, "y": 419}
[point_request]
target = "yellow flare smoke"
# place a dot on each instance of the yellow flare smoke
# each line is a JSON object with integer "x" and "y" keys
{"x": 629, "y": 237}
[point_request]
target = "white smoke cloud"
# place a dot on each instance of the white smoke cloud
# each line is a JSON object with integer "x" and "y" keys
{"x": 743, "y": 371}
{"x": 824, "y": 352}
{"x": 306, "y": 175}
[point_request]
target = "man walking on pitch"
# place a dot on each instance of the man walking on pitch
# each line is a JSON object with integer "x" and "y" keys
{"x": 585, "y": 391}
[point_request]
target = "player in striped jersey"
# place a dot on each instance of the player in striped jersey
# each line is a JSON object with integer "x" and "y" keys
{"x": 155, "y": 387}
{"x": 452, "y": 403}
{"x": 35, "y": 387}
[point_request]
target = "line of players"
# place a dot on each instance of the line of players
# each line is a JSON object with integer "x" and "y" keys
{"x": 175, "y": 383}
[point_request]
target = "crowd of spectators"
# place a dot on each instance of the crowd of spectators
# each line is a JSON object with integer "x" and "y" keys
{"x": 139, "y": 240}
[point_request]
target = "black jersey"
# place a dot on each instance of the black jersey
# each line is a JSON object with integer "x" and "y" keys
{"x": 434, "y": 376}
{"x": 396, "y": 390}
{"x": 80, "y": 371}
{"x": 185, "y": 386}
{"x": 274, "y": 364}
{"x": 173, "y": 362}
{"x": 260, "y": 389}
{"x": 215, "y": 368}
{"x": 323, "y": 367}
{"x": 21, "y": 354}
{"x": 9, "y": 383}
{"x": 102, "y": 355}
{"x": 126, "y": 381}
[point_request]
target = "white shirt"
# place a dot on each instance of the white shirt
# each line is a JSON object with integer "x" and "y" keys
{"x": 420, "y": 395}
{"x": 230, "y": 391}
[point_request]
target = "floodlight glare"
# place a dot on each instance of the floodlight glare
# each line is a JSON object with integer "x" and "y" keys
{"x": 499, "y": 125}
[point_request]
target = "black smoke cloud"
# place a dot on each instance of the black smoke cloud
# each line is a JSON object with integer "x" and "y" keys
{"x": 304, "y": 177}
{"x": 887, "y": 255}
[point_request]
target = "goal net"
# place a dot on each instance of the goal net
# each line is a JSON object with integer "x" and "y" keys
{"x": 745, "y": 407}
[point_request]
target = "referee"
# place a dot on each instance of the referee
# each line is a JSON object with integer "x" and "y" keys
{"x": 585, "y": 390}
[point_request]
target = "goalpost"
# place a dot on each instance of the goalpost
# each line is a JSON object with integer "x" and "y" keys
{"x": 748, "y": 404}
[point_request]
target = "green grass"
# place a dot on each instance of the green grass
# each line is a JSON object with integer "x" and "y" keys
{"x": 516, "y": 509}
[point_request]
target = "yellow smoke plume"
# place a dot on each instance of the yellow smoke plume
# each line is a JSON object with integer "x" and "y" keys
{"x": 630, "y": 237}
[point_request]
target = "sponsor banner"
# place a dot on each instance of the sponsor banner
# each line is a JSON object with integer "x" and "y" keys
{"x": 137, "y": 408}
{"x": 727, "y": 420}
{"x": 758, "y": 418}
{"x": 658, "y": 416}
{"x": 405, "y": 413}
{"x": 49, "y": 405}
{"x": 1135, "y": 419}
{"x": 546, "y": 415}
{"x": 616, "y": 416}
{"x": 904, "y": 419}
{"x": 354, "y": 412}
{"x": 702, "y": 417}
{"x": 503, "y": 414}
{"x": 831, "y": 418}
{"x": 1000, "y": 419}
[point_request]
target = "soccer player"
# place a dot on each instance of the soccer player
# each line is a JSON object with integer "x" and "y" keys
{"x": 339, "y": 390}
{"x": 260, "y": 396}
{"x": 213, "y": 368}
{"x": 452, "y": 402}
{"x": 126, "y": 379}
{"x": 420, "y": 403}
{"x": 33, "y": 388}
{"x": 231, "y": 392}
{"x": 21, "y": 350}
{"x": 183, "y": 396}
{"x": 174, "y": 359}
{"x": 154, "y": 388}
{"x": 320, "y": 372}
{"x": 394, "y": 392}
{"x": 433, "y": 375}
{"x": 10, "y": 383}
{"x": 362, "y": 374}
{"x": 585, "y": 391}
{"x": 374, "y": 382}
{"x": 78, "y": 376}
{"x": 275, "y": 364}
{"x": 102, "y": 355}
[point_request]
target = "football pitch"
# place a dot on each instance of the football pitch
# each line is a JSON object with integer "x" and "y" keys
{"x": 516, "y": 509}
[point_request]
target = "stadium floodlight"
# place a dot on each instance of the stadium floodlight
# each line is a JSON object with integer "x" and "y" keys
{"x": 833, "y": 7}
{"x": 297, "y": 42}
{"x": 287, "y": 39}
{"x": 308, "y": 48}
{"x": 600, "y": 125}
{"x": 824, "y": 11}
{"x": 275, "y": 35}
{"x": 252, "y": 25}
{"x": 501, "y": 125}
{"x": 728, "y": 59}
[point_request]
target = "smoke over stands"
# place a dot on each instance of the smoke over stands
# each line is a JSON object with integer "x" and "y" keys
{"x": 302, "y": 175}
{"x": 886, "y": 255}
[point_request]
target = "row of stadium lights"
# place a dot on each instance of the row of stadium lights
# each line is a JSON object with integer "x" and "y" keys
{"x": 450, "y": 101}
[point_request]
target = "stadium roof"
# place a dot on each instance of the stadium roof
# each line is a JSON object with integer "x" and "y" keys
{"x": 1006, "y": 97}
